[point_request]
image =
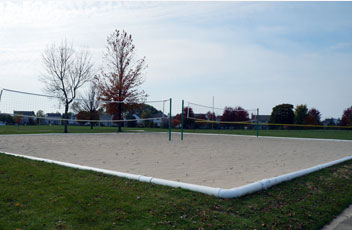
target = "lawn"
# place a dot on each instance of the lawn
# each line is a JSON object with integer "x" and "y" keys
{"x": 37, "y": 195}
{"x": 317, "y": 133}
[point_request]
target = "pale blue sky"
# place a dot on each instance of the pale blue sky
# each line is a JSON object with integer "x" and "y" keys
{"x": 249, "y": 54}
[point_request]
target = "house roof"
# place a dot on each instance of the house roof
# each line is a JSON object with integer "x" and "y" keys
{"x": 105, "y": 116}
{"x": 157, "y": 115}
{"x": 25, "y": 113}
{"x": 53, "y": 115}
{"x": 261, "y": 118}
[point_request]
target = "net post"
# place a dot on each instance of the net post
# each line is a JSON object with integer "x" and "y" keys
{"x": 170, "y": 120}
{"x": 1, "y": 94}
{"x": 257, "y": 126}
{"x": 182, "y": 120}
{"x": 212, "y": 124}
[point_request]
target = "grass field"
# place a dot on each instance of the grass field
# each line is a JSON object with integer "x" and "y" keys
{"x": 318, "y": 133}
{"x": 37, "y": 195}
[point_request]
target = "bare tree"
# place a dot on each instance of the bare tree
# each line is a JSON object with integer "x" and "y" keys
{"x": 122, "y": 76}
{"x": 66, "y": 71}
{"x": 89, "y": 103}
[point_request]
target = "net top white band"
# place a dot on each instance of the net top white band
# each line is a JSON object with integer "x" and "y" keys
{"x": 79, "y": 99}
{"x": 210, "y": 107}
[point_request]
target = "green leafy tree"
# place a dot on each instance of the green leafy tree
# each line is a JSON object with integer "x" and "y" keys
{"x": 6, "y": 118}
{"x": 301, "y": 113}
{"x": 282, "y": 114}
{"x": 146, "y": 114}
{"x": 40, "y": 116}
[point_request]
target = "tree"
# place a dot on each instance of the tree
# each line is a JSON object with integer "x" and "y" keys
{"x": 175, "y": 122}
{"x": 131, "y": 120}
{"x": 212, "y": 117}
{"x": 89, "y": 104}
{"x": 39, "y": 115}
{"x": 188, "y": 114}
{"x": 7, "y": 119}
{"x": 123, "y": 74}
{"x": 237, "y": 114}
{"x": 82, "y": 117}
{"x": 146, "y": 114}
{"x": 76, "y": 107}
{"x": 282, "y": 114}
{"x": 201, "y": 117}
{"x": 66, "y": 71}
{"x": 240, "y": 114}
{"x": 346, "y": 119}
{"x": 313, "y": 117}
{"x": 188, "y": 119}
{"x": 301, "y": 113}
{"x": 17, "y": 119}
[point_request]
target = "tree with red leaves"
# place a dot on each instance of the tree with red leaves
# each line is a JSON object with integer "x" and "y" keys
{"x": 346, "y": 119}
{"x": 313, "y": 117}
{"x": 123, "y": 74}
{"x": 237, "y": 114}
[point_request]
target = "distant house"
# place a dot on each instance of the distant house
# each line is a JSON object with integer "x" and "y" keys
{"x": 158, "y": 119}
{"x": 24, "y": 117}
{"x": 130, "y": 119}
{"x": 105, "y": 119}
{"x": 262, "y": 120}
{"x": 330, "y": 121}
{"x": 53, "y": 118}
{"x": 138, "y": 119}
{"x": 72, "y": 120}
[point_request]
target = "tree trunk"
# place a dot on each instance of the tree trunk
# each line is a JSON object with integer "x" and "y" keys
{"x": 120, "y": 118}
{"x": 91, "y": 118}
{"x": 65, "y": 117}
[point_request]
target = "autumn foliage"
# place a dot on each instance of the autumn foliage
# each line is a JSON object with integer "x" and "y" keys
{"x": 122, "y": 75}
{"x": 237, "y": 114}
{"x": 346, "y": 119}
{"x": 313, "y": 117}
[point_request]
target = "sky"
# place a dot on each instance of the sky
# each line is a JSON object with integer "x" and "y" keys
{"x": 248, "y": 54}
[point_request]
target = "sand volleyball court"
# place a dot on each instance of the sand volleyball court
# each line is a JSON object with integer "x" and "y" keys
{"x": 213, "y": 160}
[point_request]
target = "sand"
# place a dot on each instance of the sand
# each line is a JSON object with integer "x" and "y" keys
{"x": 223, "y": 161}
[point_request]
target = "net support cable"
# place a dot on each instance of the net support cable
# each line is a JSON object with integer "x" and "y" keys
{"x": 60, "y": 101}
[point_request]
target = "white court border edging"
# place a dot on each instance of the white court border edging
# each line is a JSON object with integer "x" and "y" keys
{"x": 218, "y": 192}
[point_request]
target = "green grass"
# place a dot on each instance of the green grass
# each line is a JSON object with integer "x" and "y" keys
{"x": 318, "y": 133}
{"x": 37, "y": 195}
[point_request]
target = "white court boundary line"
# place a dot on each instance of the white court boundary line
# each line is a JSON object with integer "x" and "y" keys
{"x": 217, "y": 192}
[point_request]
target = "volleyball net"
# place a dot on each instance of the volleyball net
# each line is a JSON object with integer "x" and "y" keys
{"x": 248, "y": 121}
{"x": 207, "y": 116}
{"x": 17, "y": 107}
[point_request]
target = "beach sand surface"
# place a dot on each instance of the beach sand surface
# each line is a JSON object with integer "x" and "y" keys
{"x": 224, "y": 161}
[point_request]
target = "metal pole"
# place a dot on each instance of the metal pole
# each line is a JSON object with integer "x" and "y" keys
{"x": 170, "y": 120}
{"x": 182, "y": 120}
{"x": 212, "y": 124}
{"x": 257, "y": 121}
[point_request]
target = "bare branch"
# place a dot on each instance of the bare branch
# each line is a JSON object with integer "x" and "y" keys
{"x": 66, "y": 71}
